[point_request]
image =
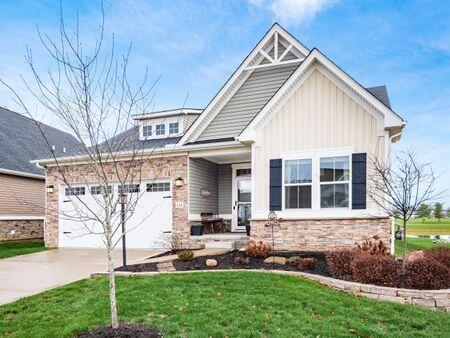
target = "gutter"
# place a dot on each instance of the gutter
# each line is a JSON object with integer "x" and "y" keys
{"x": 21, "y": 173}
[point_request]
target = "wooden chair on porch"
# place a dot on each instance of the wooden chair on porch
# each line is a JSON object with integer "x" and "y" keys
{"x": 210, "y": 219}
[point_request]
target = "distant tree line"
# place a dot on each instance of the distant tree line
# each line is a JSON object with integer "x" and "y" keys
{"x": 427, "y": 211}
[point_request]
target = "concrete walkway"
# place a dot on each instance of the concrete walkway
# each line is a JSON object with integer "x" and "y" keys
{"x": 27, "y": 275}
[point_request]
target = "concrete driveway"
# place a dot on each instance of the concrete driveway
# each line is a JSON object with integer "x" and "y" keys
{"x": 27, "y": 275}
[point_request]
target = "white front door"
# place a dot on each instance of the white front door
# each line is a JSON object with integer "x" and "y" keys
{"x": 242, "y": 197}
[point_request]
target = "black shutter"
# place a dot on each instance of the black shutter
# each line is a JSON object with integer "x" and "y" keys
{"x": 359, "y": 165}
{"x": 275, "y": 185}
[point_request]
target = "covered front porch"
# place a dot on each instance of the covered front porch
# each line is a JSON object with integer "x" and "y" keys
{"x": 220, "y": 193}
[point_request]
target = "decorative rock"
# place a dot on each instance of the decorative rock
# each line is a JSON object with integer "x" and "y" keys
{"x": 211, "y": 262}
{"x": 275, "y": 260}
{"x": 414, "y": 256}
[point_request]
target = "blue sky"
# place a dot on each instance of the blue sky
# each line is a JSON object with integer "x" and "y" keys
{"x": 195, "y": 46}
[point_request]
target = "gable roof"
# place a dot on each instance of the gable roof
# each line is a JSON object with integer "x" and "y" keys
{"x": 266, "y": 54}
{"x": 21, "y": 142}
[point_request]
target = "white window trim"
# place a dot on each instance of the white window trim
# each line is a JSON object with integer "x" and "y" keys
{"x": 315, "y": 156}
{"x": 154, "y": 136}
{"x": 178, "y": 128}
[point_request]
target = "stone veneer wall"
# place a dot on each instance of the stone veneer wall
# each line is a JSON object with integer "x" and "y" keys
{"x": 321, "y": 234}
{"x": 11, "y": 230}
{"x": 165, "y": 167}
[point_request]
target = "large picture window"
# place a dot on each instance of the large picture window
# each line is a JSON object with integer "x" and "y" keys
{"x": 334, "y": 182}
{"x": 298, "y": 184}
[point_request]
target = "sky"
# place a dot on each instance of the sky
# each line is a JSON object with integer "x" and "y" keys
{"x": 194, "y": 46}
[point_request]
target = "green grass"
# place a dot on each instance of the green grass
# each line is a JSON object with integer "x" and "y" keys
{"x": 233, "y": 304}
{"x": 430, "y": 226}
{"x": 11, "y": 249}
{"x": 413, "y": 244}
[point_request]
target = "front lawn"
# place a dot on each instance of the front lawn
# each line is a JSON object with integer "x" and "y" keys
{"x": 11, "y": 249}
{"x": 414, "y": 244}
{"x": 428, "y": 226}
{"x": 220, "y": 304}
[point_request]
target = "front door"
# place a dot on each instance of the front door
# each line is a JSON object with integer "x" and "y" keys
{"x": 242, "y": 197}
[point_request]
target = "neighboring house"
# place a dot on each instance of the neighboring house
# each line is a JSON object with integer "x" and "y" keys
{"x": 22, "y": 183}
{"x": 289, "y": 132}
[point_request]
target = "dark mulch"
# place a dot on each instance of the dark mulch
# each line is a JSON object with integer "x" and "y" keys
{"x": 124, "y": 331}
{"x": 166, "y": 253}
{"x": 226, "y": 261}
{"x": 138, "y": 267}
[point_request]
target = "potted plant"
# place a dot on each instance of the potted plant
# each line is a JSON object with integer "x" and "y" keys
{"x": 197, "y": 229}
{"x": 247, "y": 229}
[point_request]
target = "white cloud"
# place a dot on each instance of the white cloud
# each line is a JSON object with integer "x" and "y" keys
{"x": 295, "y": 11}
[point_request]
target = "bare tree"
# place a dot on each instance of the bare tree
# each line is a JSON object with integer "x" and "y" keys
{"x": 90, "y": 94}
{"x": 400, "y": 188}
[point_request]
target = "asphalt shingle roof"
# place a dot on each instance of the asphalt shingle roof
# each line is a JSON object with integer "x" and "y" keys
{"x": 21, "y": 141}
{"x": 380, "y": 92}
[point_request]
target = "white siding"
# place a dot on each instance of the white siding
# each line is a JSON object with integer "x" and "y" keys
{"x": 318, "y": 115}
{"x": 250, "y": 98}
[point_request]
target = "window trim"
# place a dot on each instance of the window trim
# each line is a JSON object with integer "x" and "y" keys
{"x": 171, "y": 126}
{"x": 160, "y": 129}
{"x": 144, "y": 135}
{"x": 284, "y": 184}
{"x": 337, "y": 182}
{"x": 315, "y": 156}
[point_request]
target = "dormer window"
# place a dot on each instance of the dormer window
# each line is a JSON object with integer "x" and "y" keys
{"x": 160, "y": 129}
{"x": 173, "y": 128}
{"x": 147, "y": 131}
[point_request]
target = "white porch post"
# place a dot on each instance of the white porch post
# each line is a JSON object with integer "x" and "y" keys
{"x": 392, "y": 235}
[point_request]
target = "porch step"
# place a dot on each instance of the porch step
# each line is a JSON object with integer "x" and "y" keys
{"x": 219, "y": 244}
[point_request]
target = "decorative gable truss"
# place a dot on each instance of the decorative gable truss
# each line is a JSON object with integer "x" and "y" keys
{"x": 277, "y": 47}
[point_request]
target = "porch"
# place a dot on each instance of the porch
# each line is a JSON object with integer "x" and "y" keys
{"x": 219, "y": 190}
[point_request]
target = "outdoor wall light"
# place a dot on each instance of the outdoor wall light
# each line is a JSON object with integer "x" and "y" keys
{"x": 50, "y": 188}
{"x": 205, "y": 193}
{"x": 179, "y": 182}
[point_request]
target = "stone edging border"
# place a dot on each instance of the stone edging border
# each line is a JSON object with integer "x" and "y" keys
{"x": 430, "y": 299}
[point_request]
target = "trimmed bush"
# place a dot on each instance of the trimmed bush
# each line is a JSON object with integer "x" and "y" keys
{"x": 241, "y": 260}
{"x": 293, "y": 259}
{"x": 440, "y": 254}
{"x": 258, "y": 249}
{"x": 339, "y": 262}
{"x": 186, "y": 255}
{"x": 427, "y": 274}
{"x": 304, "y": 264}
{"x": 376, "y": 269}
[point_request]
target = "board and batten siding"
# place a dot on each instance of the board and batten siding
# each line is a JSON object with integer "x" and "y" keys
{"x": 203, "y": 175}
{"x": 225, "y": 189}
{"x": 21, "y": 196}
{"x": 249, "y": 99}
{"x": 318, "y": 115}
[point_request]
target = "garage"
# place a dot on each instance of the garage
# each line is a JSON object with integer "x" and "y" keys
{"x": 150, "y": 221}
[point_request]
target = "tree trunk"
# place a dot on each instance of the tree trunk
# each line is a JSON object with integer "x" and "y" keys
{"x": 404, "y": 246}
{"x": 112, "y": 282}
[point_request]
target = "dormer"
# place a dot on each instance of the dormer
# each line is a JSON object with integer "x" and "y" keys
{"x": 166, "y": 123}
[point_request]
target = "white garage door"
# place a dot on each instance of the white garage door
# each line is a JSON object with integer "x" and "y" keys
{"x": 151, "y": 218}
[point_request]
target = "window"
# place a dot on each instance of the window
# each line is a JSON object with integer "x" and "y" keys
{"x": 147, "y": 131}
{"x": 173, "y": 128}
{"x": 96, "y": 190}
{"x": 129, "y": 188}
{"x": 160, "y": 129}
{"x": 162, "y": 186}
{"x": 75, "y": 191}
{"x": 334, "y": 182}
{"x": 298, "y": 184}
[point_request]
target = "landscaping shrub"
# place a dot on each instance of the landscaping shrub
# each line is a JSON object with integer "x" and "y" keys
{"x": 426, "y": 273}
{"x": 376, "y": 269}
{"x": 339, "y": 262}
{"x": 377, "y": 248}
{"x": 293, "y": 259}
{"x": 304, "y": 264}
{"x": 440, "y": 254}
{"x": 186, "y": 255}
{"x": 241, "y": 260}
{"x": 258, "y": 249}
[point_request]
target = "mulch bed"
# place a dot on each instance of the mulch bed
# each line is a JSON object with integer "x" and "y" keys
{"x": 226, "y": 261}
{"x": 138, "y": 267}
{"x": 124, "y": 331}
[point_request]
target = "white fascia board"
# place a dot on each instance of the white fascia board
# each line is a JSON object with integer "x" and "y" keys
{"x": 21, "y": 218}
{"x": 299, "y": 76}
{"x": 21, "y": 173}
{"x": 196, "y": 128}
{"x": 167, "y": 113}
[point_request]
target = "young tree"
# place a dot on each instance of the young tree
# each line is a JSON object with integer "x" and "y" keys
{"x": 438, "y": 211}
{"x": 91, "y": 95}
{"x": 423, "y": 211}
{"x": 402, "y": 188}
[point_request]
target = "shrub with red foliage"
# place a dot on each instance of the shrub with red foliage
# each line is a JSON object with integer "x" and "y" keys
{"x": 426, "y": 273}
{"x": 376, "y": 269}
{"x": 258, "y": 249}
{"x": 440, "y": 254}
{"x": 377, "y": 248}
{"x": 339, "y": 262}
{"x": 304, "y": 264}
